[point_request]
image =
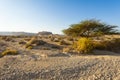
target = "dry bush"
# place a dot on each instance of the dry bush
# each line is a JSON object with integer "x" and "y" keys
{"x": 55, "y": 46}
{"x": 3, "y": 46}
{"x": 34, "y": 42}
{"x": 56, "y": 40}
{"x": 67, "y": 50}
{"x": 100, "y": 45}
{"x": 45, "y": 48}
{"x": 50, "y": 36}
{"x": 62, "y": 42}
{"x": 83, "y": 45}
{"x": 112, "y": 45}
{"x": 3, "y": 37}
{"x": 52, "y": 39}
{"x": 27, "y": 39}
{"x": 7, "y": 38}
{"x": 29, "y": 43}
{"x": 9, "y": 52}
{"x": 30, "y": 47}
{"x": 70, "y": 39}
{"x": 22, "y": 42}
{"x": 40, "y": 42}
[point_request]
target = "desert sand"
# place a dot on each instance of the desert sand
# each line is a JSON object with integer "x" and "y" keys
{"x": 60, "y": 67}
{"x": 51, "y": 64}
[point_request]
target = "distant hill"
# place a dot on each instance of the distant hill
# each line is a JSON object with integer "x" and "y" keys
{"x": 16, "y": 34}
{"x": 44, "y": 33}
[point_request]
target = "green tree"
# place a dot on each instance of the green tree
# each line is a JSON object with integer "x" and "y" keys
{"x": 89, "y": 28}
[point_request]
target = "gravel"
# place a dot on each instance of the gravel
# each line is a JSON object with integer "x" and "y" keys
{"x": 104, "y": 67}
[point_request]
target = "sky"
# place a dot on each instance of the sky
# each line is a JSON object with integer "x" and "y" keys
{"x": 55, "y": 15}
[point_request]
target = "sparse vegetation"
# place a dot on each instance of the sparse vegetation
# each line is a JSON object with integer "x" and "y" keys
{"x": 30, "y": 47}
{"x": 110, "y": 45}
{"x": 66, "y": 50}
{"x": 9, "y": 52}
{"x": 45, "y": 48}
{"x": 89, "y": 28}
{"x": 29, "y": 43}
{"x": 63, "y": 42}
{"x": 27, "y": 39}
{"x": 70, "y": 39}
{"x": 34, "y": 42}
{"x": 56, "y": 40}
{"x": 84, "y": 45}
{"x": 22, "y": 42}
{"x": 7, "y": 38}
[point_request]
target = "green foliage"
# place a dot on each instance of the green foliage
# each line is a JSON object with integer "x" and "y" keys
{"x": 84, "y": 45}
{"x": 89, "y": 28}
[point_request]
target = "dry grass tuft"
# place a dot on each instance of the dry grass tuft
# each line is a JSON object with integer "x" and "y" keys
{"x": 34, "y": 42}
{"x": 9, "y": 52}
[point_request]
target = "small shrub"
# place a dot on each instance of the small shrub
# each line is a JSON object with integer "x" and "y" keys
{"x": 27, "y": 45}
{"x": 9, "y": 52}
{"x": 70, "y": 39}
{"x": 30, "y": 47}
{"x": 62, "y": 42}
{"x": 45, "y": 48}
{"x": 27, "y": 39}
{"x": 22, "y": 42}
{"x": 37, "y": 42}
{"x": 66, "y": 50}
{"x": 34, "y": 42}
{"x": 100, "y": 45}
{"x": 40, "y": 42}
{"x": 56, "y": 40}
{"x": 114, "y": 45}
{"x": 55, "y": 46}
{"x": 52, "y": 39}
{"x": 50, "y": 36}
{"x": 6, "y": 38}
{"x": 111, "y": 45}
{"x": 83, "y": 45}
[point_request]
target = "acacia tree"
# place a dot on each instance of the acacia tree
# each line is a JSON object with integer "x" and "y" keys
{"x": 89, "y": 28}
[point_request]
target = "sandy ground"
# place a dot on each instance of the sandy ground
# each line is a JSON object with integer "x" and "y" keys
{"x": 60, "y": 67}
{"x": 37, "y": 64}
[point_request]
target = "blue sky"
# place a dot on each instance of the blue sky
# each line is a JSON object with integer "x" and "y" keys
{"x": 55, "y": 15}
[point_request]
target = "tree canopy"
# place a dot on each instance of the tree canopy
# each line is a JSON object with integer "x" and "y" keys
{"x": 89, "y": 28}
